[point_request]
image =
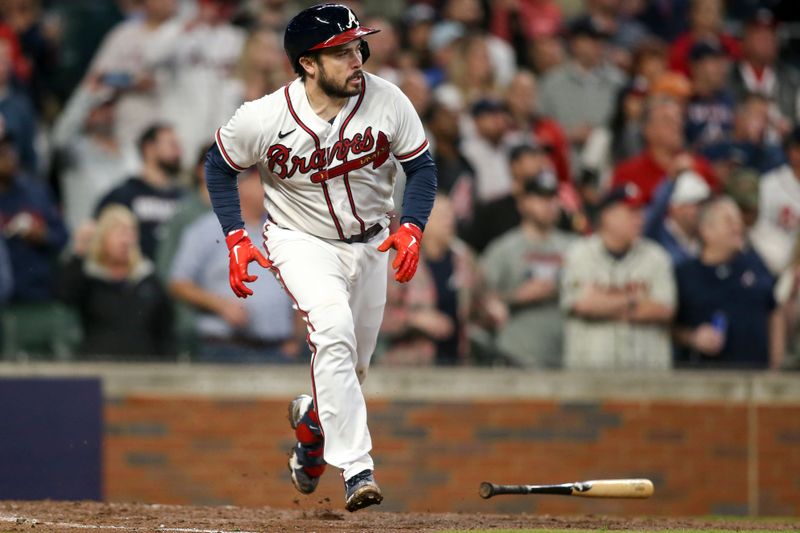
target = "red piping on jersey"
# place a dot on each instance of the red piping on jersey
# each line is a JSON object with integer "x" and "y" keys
{"x": 316, "y": 144}
{"x": 341, "y": 138}
{"x": 225, "y": 154}
{"x": 311, "y": 329}
{"x": 415, "y": 152}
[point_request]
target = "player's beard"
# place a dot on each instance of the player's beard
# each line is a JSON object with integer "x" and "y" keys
{"x": 334, "y": 90}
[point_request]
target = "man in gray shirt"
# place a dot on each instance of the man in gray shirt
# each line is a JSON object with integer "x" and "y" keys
{"x": 523, "y": 267}
{"x": 229, "y": 329}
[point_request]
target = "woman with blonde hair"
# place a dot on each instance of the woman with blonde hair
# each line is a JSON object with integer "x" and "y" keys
{"x": 123, "y": 309}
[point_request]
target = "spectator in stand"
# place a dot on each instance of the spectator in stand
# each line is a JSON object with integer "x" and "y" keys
{"x": 445, "y": 39}
{"x": 522, "y": 101}
{"x": 471, "y": 71}
{"x": 123, "y": 309}
{"x": 134, "y": 58}
{"x": 580, "y": 94}
{"x": 778, "y": 223}
{"x": 706, "y": 21}
{"x": 665, "y": 18}
{"x": 228, "y": 329}
{"x": 17, "y": 114}
{"x": 262, "y": 67}
{"x": 415, "y": 86}
{"x": 415, "y": 36}
{"x": 727, "y": 315}
{"x": 663, "y": 134}
{"x": 750, "y": 139}
{"x": 523, "y": 267}
{"x": 454, "y": 175}
{"x": 546, "y": 54}
{"x": 153, "y": 196}
{"x": 383, "y": 49}
{"x": 522, "y": 21}
{"x": 89, "y": 160}
{"x": 626, "y": 32}
{"x": 761, "y": 71}
{"x": 428, "y": 319}
{"x": 486, "y": 149}
{"x": 471, "y": 14}
{"x": 709, "y": 112}
{"x": 34, "y": 234}
{"x": 672, "y": 219}
{"x": 205, "y": 54}
{"x": 619, "y": 292}
{"x": 500, "y": 215}
{"x": 18, "y": 65}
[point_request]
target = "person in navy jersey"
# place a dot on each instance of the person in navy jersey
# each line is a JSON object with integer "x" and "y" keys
{"x": 710, "y": 111}
{"x": 726, "y": 313}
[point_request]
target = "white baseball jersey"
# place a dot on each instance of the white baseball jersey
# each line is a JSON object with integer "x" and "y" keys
{"x": 329, "y": 179}
{"x": 778, "y": 223}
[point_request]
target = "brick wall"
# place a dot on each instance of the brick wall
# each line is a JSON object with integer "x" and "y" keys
{"x": 705, "y": 457}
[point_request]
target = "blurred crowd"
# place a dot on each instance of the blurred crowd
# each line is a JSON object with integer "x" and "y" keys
{"x": 619, "y": 181}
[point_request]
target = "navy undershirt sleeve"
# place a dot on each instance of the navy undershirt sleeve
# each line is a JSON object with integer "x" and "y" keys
{"x": 420, "y": 190}
{"x": 223, "y": 188}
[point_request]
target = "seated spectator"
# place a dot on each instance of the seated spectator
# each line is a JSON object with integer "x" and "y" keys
{"x": 726, "y": 314}
{"x": 17, "y": 114}
{"x": 626, "y": 32}
{"x": 495, "y": 218}
{"x": 522, "y": 267}
{"x": 471, "y": 73}
{"x": 259, "y": 329}
{"x": 89, "y": 159}
{"x": 663, "y": 135}
{"x": 672, "y": 218}
{"x": 706, "y": 24}
{"x": 428, "y": 319}
{"x": 580, "y": 94}
{"x": 750, "y": 140}
{"x": 34, "y": 234}
{"x": 522, "y": 101}
{"x": 778, "y": 221}
{"x": 709, "y": 112}
{"x": 123, "y": 309}
{"x": 761, "y": 71}
{"x": 619, "y": 292}
{"x": 153, "y": 197}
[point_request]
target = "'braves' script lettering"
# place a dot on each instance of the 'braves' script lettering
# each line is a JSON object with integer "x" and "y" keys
{"x": 284, "y": 165}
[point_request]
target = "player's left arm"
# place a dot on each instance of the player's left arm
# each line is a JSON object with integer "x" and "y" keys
{"x": 410, "y": 147}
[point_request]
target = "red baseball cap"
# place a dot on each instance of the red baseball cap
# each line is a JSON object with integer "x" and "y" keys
{"x": 628, "y": 194}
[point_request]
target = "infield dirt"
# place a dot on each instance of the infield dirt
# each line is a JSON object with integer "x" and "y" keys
{"x": 66, "y": 517}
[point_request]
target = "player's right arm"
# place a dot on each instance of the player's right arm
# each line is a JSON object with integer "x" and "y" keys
{"x": 236, "y": 148}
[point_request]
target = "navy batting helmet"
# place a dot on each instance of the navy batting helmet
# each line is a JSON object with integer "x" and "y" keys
{"x": 323, "y": 26}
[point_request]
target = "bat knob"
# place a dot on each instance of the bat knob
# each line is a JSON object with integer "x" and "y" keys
{"x": 486, "y": 490}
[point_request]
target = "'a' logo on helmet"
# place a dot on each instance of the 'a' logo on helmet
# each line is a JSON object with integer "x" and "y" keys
{"x": 352, "y": 21}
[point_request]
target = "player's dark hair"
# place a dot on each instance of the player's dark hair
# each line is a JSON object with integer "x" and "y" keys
{"x": 150, "y": 135}
{"x": 298, "y": 68}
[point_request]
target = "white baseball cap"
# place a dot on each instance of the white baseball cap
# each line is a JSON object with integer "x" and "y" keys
{"x": 690, "y": 188}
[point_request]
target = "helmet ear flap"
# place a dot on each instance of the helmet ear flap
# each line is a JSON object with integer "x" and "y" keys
{"x": 364, "y": 51}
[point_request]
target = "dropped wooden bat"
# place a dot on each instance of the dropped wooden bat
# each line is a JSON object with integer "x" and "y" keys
{"x": 598, "y": 488}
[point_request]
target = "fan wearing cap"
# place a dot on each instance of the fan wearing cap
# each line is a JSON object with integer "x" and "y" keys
{"x": 326, "y": 147}
{"x": 618, "y": 291}
{"x": 761, "y": 70}
{"x": 672, "y": 218}
{"x": 709, "y": 112}
{"x": 523, "y": 266}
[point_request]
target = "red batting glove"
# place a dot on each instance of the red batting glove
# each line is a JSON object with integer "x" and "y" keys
{"x": 241, "y": 251}
{"x": 406, "y": 241}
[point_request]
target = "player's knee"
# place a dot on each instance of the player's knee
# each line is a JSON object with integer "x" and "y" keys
{"x": 335, "y": 331}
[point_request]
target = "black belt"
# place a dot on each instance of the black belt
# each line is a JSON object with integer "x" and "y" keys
{"x": 365, "y": 236}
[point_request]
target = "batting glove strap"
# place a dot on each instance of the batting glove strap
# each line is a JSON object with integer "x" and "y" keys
{"x": 406, "y": 240}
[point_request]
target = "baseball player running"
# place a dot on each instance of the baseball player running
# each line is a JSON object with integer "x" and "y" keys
{"x": 322, "y": 145}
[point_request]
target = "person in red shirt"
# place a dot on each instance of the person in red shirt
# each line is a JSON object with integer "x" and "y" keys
{"x": 706, "y": 25}
{"x": 665, "y": 153}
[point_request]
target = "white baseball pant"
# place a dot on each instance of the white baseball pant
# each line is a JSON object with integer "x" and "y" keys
{"x": 340, "y": 289}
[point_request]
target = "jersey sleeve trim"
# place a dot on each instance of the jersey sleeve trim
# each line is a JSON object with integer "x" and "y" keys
{"x": 413, "y": 153}
{"x": 225, "y": 155}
